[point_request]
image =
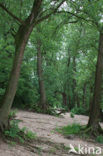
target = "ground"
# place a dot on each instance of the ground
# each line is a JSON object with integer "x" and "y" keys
{"x": 50, "y": 143}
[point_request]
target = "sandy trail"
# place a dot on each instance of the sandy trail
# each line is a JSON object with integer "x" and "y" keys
{"x": 43, "y": 126}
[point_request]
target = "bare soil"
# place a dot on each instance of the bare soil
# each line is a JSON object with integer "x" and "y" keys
{"x": 49, "y": 142}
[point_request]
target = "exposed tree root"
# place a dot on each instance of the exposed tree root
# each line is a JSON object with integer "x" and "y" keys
{"x": 4, "y": 124}
{"x": 93, "y": 131}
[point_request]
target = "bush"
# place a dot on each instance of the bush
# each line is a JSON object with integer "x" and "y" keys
{"x": 16, "y": 134}
{"x": 79, "y": 111}
{"x": 13, "y": 131}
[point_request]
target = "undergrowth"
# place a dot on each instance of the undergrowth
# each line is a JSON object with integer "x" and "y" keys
{"x": 14, "y": 133}
{"x": 78, "y": 130}
{"x": 12, "y": 114}
{"x": 70, "y": 129}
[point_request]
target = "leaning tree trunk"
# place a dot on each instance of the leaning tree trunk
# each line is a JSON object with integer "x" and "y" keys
{"x": 43, "y": 101}
{"x": 93, "y": 122}
{"x": 21, "y": 39}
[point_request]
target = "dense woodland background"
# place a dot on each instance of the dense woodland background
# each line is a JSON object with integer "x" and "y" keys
{"x": 59, "y": 63}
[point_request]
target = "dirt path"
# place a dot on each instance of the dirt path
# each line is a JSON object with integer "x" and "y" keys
{"x": 50, "y": 143}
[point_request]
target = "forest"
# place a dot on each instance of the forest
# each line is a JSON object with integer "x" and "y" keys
{"x": 51, "y": 67}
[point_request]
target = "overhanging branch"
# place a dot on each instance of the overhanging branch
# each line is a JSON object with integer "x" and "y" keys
{"x": 73, "y": 14}
{"x": 11, "y": 14}
{"x": 52, "y": 12}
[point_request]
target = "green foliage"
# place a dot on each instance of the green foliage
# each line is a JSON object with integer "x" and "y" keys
{"x": 17, "y": 134}
{"x": 99, "y": 139}
{"x": 69, "y": 55}
{"x": 70, "y": 129}
{"x": 12, "y": 114}
{"x": 2, "y": 91}
{"x": 30, "y": 135}
{"x": 72, "y": 114}
{"x": 79, "y": 111}
{"x": 13, "y": 131}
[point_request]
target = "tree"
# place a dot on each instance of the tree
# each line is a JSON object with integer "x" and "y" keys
{"x": 94, "y": 118}
{"x": 95, "y": 18}
{"x": 91, "y": 12}
{"x": 21, "y": 39}
{"x": 43, "y": 101}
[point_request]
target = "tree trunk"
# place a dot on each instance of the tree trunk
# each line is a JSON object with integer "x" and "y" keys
{"x": 74, "y": 84}
{"x": 14, "y": 76}
{"x": 91, "y": 98}
{"x": 64, "y": 99}
{"x": 94, "y": 117}
{"x": 78, "y": 102}
{"x": 70, "y": 103}
{"x": 43, "y": 102}
{"x": 84, "y": 94}
{"x": 21, "y": 39}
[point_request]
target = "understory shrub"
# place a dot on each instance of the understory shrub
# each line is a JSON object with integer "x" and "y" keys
{"x": 16, "y": 134}
{"x": 80, "y": 111}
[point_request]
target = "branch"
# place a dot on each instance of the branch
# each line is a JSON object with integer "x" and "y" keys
{"x": 73, "y": 14}
{"x": 93, "y": 21}
{"x": 11, "y": 14}
{"x": 60, "y": 5}
{"x": 48, "y": 15}
{"x": 63, "y": 23}
{"x": 80, "y": 17}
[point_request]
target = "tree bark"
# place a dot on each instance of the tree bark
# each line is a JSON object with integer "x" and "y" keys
{"x": 78, "y": 102}
{"x": 14, "y": 76}
{"x": 94, "y": 117}
{"x": 64, "y": 99}
{"x": 21, "y": 39}
{"x": 74, "y": 84}
{"x": 43, "y": 101}
{"x": 91, "y": 98}
{"x": 84, "y": 94}
{"x": 69, "y": 101}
